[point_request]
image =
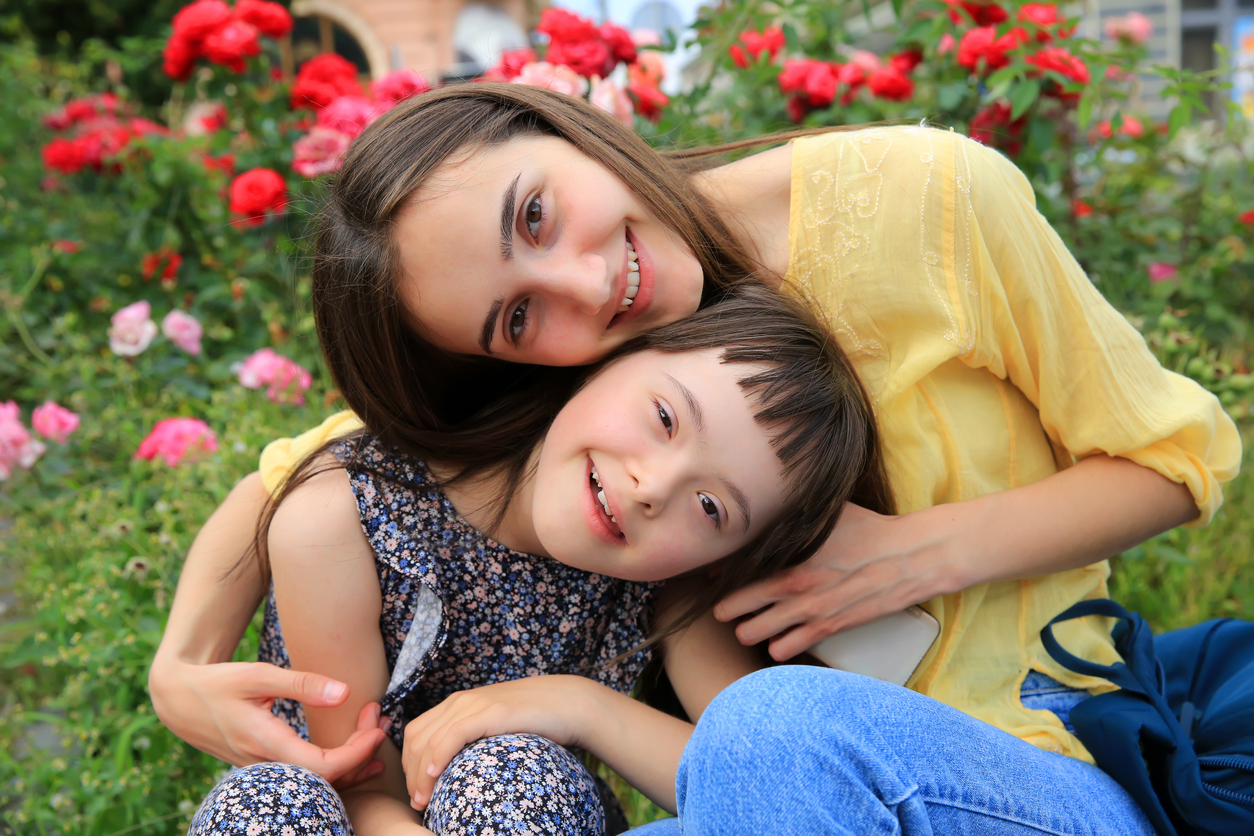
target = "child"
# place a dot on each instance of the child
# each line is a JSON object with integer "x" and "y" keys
{"x": 719, "y": 448}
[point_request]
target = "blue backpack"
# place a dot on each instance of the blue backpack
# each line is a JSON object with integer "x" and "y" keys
{"x": 1179, "y": 736}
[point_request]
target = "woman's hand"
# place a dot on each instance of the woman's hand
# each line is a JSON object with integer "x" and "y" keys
{"x": 224, "y": 710}
{"x": 870, "y": 566}
{"x": 549, "y": 706}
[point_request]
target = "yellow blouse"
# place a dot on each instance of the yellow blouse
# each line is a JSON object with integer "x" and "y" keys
{"x": 992, "y": 362}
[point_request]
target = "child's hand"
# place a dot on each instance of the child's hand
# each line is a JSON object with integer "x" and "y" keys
{"x": 556, "y": 707}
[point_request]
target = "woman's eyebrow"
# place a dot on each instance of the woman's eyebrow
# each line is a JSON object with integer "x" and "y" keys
{"x": 698, "y": 423}
{"x": 489, "y": 325}
{"x": 507, "y": 219}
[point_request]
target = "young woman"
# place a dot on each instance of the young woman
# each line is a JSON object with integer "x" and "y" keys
{"x": 1029, "y": 434}
{"x": 719, "y": 448}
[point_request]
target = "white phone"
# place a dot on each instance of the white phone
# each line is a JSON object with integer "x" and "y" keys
{"x": 889, "y": 648}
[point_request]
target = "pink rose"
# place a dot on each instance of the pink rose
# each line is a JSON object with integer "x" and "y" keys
{"x": 183, "y": 330}
{"x": 348, "y": 114}
{"x": 1160, "y": 271}
{"x": 132, "y": 330}
{"x": 176, "y": 440}
{"x": 286, "y": 381}
{"x": 54, "y": 422}
{"x": 320, "y": 151}
{"x": 17, "y": 448}
{"x": 399, "y": 85}
{"x": 1132, "y": 28}
{"x": 543, "y": 74}
{"x": 613, "y": 100}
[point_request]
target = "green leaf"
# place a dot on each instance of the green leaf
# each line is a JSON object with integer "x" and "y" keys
{"x": 1022, "y": 96}
{"x": 949, "y": 96}
{"x": 1179, "y": 118}
{"x": 1084, "y": 113}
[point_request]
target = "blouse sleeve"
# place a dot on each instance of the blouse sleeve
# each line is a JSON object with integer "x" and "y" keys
{"x": 1042, "y": 324}
{"x": 282, "y": 454}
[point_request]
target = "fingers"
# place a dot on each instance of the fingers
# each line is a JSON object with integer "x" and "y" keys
{"x": 351, "y": 760}
{"x": 269, "y": 681}
{"x": 441, "y": 749}
{"x": 751, "y": 598}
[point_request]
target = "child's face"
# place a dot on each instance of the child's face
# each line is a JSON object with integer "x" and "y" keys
{"x": 688, "y": 475}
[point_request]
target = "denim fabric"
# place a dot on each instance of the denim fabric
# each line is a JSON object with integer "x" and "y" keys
{"x": 806, "y": 750}
{"x": 1044, "y": 692}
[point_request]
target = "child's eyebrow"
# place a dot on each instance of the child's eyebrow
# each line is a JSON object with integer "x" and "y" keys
{"x": 698, "y": 422}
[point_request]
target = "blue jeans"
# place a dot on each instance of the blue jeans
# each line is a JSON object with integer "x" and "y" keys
{"x": 807, "y": 750}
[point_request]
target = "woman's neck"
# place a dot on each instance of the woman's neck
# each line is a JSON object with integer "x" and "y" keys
{"x": 477, "y": 499}
{"x": 753, "y": 197}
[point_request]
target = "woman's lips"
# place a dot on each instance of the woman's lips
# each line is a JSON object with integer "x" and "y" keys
{"x": 644, "y": 296}
{"x": 600, "y": 523}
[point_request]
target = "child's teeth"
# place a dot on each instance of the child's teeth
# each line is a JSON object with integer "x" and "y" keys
{"x": 632, "y": 290}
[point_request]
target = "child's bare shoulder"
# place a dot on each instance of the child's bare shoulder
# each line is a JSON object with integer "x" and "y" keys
{"x": 319, "y": 515}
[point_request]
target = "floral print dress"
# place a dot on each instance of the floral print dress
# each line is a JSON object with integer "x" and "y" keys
{"x": 459, "y": 611}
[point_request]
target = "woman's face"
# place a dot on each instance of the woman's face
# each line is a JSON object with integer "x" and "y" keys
{"x": 527, "y": 251}
{"x": 655, "y": 467}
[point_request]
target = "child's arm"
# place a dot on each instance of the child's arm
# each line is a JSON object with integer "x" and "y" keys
{"x": 640, "y": 743}
{"x": 327, "y": 591}
{"x": 221, "y": 707}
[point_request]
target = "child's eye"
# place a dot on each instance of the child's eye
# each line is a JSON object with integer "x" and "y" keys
{"x": 711, "y": 509}
{"x": 664, "y": 417}
{"x": 533, "y": 214}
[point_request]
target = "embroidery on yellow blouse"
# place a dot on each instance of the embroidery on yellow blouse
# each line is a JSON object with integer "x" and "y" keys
{"x": 935, "y": 267}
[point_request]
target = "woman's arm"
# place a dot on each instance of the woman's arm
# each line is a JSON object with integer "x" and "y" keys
{"x": 873, "y": 564}
{"x": 326, "y": 589}
{"x": 221, "y": 707}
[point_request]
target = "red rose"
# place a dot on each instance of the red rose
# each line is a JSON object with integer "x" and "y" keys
{"x": 797, "y": 108}
{"x": 979, "y": 13}
{"x": 139, "y": 126}
{"x": 224, "y": 163}
{"x": 587, "y": 58}
{"x": 851, "y": 75}
{"x": 1247, "y": 218}
{"x": 619, "y": 41}
{"x": 794, "y": 75}
{"x": 196, "y": 22}
{"x": 165, "y": 260}
{"x": 821, "y": 84}
{"x": 890, "y": 83}
{"x": 99, "y": 145}
{"x": 905, "y": 62}
{"x": 63, "y": 155}
{"x": 323, "y": 79}
{"x": 256, "y": 192}
{"x": 65, "y": 245}
{"x": 1058, "y": 60}
{"x": 1081, "y": 209}
{"x": 231, "y": 43}
{"x": 1046, "y": 17}
{"x": 510, "y": 64}
{"x": 178, "y": 57}
{"x": 560, "y": 24}
{"x": 649, "y": 101}
{"x": 399, "y": 85}
{"x": 979, "y": 44}
{"x": 769, "y": 40}
{"x": 992, "y": 127}
{"x": 271, "y": 19}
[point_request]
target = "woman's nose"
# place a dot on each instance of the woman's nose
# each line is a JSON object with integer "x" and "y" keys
{"x": 584, "y": 282}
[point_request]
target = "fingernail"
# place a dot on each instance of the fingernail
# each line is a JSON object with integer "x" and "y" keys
{"x": 386, "y": 724}
{"x": 377, "y": 711}
{"x": 419, "y": 800}
{"x": 375, "y": 769}
{"x": 334, "y": 691}
{"x": 431, "y": 770}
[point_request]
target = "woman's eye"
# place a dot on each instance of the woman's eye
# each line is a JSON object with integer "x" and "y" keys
{"x": 664, "y": 417}
{"x": 533, "y": 214}
{"x": 710, "y": 509}
{"x": 518, "y": 323}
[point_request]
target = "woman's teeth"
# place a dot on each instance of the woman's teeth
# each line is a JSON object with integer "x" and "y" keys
{"x": 601, "y": 495}
{"x": 633, "y": 279}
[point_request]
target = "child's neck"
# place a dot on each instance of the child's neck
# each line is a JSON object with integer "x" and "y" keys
{"x": 477, "y": 500}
